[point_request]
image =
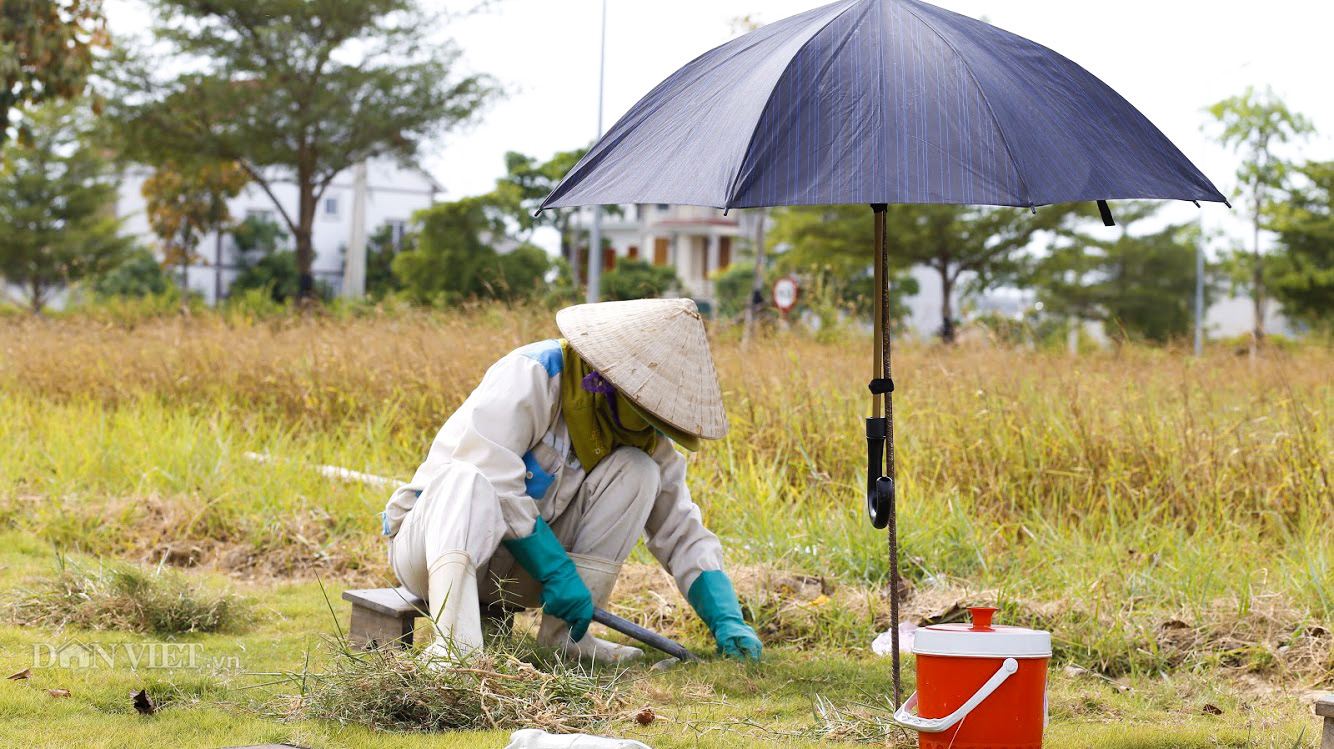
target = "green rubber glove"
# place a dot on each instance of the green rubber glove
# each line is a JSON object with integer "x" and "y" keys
{"x": 714, "y": 599}
{"x": 564, "y": 594}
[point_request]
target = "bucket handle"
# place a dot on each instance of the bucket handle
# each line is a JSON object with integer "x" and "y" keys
{"x": 905, "y": 717}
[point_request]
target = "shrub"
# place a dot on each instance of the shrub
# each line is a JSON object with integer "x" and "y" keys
{"x": 638, "y": 279}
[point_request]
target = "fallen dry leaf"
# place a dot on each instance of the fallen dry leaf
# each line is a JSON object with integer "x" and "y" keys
{"x": 143, "y": 704}
{"x": 645, "y": 716}
{"x": 24, "y": 674}
{"x": 58, "y": 692}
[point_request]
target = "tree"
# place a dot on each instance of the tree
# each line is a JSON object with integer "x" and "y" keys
{"x": 833, "y": 247}
{"x": 260, "y": 249}
{"x": 1301, "y": 275}
{"x": 983, "y": 244}
{"x": 1141, "y": 286}
{"x": 452, "y": 260}
{"x": 185, "y": 201}
{"x": 1252, "y": 125}
{"x": 526, "y": 183}
{"x": 137, "y": 275}
{"x": 46, "y": 52}
{"x": 295, "y": 92}
{"x": 56, "y": 206}
{"x": 638, "y": 279}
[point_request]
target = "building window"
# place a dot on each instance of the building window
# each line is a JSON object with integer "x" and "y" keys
{"x": 259, "y": 214}
{"x": 663, "y": 207}
{"x": 331, "y": 207}
{"x": 398, "y": 228}
{"x": 633, "y": 252}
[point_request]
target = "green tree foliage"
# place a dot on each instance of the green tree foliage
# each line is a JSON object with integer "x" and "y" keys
{"x": 1302, "y": 274}
{"x": 984, "y": 244}
{"x": 452, "y": 261}
{"x": 837, "y": 243}
{"x": 381, "y": 249}
{"x": 260, "y": 249}
{"x": 526, "y": 183}
{"x": 1142, "y": 286}
{"x": 293, "y": 91}
{"x": 57, "y": 195}
{"x": 186, "y": 200}
{"x": 46, "y": 52}
{"x": 638, "y": 279}
{"x": 1253, "y": 124}
{"x": 139, "y": 274}
{"x": 732, "y": 288}
{"x": 832, "y": 248}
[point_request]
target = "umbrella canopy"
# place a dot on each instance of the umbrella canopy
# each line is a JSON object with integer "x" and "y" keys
{"x": 881, "y": 101}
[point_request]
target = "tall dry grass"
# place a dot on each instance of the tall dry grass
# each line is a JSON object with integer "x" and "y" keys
{"x": 1136, "y": 430}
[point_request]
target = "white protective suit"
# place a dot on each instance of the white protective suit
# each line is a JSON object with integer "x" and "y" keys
{"x": 504, "y": 458}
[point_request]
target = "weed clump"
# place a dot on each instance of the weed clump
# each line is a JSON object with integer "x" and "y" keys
{"x": 116, "y": 596}
{"x": 389, "y": 689}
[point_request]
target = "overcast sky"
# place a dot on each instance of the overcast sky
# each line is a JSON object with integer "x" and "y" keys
{"x": 1170, "y": 58}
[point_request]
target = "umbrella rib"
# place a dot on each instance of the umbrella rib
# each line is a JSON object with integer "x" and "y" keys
{"x": 750, "y": 146}
{"x": 1028, "y": 194}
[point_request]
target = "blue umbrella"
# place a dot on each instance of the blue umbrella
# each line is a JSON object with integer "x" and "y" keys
{"x": 881, "y": 101}
{"x": 877, "y": 102}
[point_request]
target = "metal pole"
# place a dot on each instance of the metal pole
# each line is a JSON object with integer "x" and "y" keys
{"x": 1199, "y": 291}
{"x": 880, "y": 429}
{"x": 217, "y": 267}
{"x": 595, "y": 239}
{"x": 756, "y": 302}
{"x": 883, "y": 291}
{"x": 354, "y": 265}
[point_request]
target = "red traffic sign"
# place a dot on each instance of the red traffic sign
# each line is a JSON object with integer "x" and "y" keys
{"x": 786, "y": 290}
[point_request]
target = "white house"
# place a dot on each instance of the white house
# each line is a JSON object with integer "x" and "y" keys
{"x": 393, "y": 193}
{"x": 696, "y": 241}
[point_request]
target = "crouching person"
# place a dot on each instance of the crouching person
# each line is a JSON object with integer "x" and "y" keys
{"x": 539, "y": 485}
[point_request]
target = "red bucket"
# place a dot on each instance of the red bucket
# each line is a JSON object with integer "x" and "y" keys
{"x": 979, "y": 686}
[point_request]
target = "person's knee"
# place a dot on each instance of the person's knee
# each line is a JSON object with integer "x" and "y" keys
{"x": 636, "y": 470}
{"x": 459, "y": 509}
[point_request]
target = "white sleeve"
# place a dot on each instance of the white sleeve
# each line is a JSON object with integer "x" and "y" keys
{"x": 506, "y": 415}
{"x": 675, "y": 532}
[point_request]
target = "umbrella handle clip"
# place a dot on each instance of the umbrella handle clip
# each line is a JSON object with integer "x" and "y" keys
{"x": 879, "y": 487}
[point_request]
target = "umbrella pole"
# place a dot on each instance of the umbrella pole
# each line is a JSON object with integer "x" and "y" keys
{"x": 880, "y": 436}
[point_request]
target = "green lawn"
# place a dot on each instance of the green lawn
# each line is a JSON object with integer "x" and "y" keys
{"x": 716, "y": 703}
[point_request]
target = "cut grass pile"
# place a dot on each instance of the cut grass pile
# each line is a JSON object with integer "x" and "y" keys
{"x": 125, "y": 597}
{"x": 499, "y": 689}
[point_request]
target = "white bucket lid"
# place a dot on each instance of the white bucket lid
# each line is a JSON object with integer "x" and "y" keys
{"x": 981, "y": 639}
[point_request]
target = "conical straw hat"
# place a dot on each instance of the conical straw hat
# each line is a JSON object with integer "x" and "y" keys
{"x": 656, "y": 353}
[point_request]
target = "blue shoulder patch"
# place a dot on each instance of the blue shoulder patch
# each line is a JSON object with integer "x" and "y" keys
{"x": 547, "y": 353}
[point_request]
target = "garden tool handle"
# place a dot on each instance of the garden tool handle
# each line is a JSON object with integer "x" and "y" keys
{"x": 650, "y": 638}
{"x": 904, "y": 716}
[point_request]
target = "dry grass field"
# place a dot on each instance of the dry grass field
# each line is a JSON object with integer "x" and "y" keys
{"x": 1169, "y": 519}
